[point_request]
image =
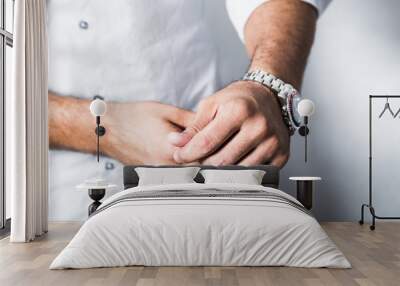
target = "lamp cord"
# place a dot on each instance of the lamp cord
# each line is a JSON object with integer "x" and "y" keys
{"x": 98, "y": 142}
{"x": 305, "y": 146}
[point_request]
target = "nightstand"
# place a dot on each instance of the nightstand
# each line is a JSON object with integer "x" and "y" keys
{"x": 96, "y": 190}
{"x": 305, "y": 187}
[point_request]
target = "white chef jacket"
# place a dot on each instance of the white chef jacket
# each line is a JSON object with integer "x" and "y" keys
{"x": 174, "y": 51}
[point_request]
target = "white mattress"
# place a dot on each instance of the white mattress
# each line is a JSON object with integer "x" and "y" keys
{"x": 183, "y": 231}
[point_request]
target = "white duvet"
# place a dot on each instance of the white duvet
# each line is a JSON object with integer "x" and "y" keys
{"x": 183, "y": 231}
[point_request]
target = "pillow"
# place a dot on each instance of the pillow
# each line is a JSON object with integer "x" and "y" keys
{"x": 162, "y": 176}
{"x": 248, "y": 177}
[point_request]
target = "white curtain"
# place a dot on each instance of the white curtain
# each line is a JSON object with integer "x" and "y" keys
{"x": 26, "y": 123}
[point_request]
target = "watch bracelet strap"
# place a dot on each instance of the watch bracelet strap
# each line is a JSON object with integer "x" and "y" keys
{"x": 281, "y": 89}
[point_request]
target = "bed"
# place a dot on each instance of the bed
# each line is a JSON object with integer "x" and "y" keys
{"x": 201, "y": 224}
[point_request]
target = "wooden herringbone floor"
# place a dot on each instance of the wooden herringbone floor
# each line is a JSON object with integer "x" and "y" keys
{"x": 375, "y": 257}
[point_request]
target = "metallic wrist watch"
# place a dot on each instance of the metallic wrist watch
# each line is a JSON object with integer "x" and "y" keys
{"x": 287, "y": 95}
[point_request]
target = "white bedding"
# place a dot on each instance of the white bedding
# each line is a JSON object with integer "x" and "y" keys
{"x": 181, "y": 231}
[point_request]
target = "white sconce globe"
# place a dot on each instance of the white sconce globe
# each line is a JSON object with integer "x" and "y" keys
{"x": 98, "y": 107}
{"x": 306, "y": 107}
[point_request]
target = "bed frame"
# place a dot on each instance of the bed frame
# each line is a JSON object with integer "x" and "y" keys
{"x": 271, "y": 177}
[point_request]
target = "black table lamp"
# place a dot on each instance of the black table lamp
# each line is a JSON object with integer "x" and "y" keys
{"x": 98, "y": 108}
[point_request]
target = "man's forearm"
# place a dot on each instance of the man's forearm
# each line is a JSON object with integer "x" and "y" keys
{"x": 71, "y": 126}
{"x": 279, "y": 35}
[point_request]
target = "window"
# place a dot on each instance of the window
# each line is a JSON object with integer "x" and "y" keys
{"x": 6, "y": 43}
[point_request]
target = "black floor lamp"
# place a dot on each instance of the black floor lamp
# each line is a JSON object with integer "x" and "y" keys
{"x": 370, "y": 202}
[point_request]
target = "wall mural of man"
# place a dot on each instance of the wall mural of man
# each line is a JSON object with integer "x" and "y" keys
{"x": 158, "y": 68}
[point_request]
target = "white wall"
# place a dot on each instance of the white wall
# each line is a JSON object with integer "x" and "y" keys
{"x": 356, "y": 53}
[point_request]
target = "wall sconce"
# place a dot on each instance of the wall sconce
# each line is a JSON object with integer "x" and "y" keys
{"x": 305, "y": 109}
{"x": 98, "y": 108}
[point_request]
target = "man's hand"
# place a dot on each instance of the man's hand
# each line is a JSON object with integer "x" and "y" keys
{"x": 240, "y": 124}
{"x": 137, "y": 132}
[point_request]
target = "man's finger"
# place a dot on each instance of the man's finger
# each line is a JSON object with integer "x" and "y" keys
{"x": 203, "y": 116}
{"x": 207, "y": 140}
{"x": 240, "y": 145}
{"x": 264, "y": 153}
{"x": 181, "y": 117}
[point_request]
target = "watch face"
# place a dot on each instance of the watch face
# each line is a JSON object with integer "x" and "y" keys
{"x": 293, "y": 102}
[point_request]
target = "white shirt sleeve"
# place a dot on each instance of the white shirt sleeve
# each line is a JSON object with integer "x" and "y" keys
{"x": 239, "y": 11}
